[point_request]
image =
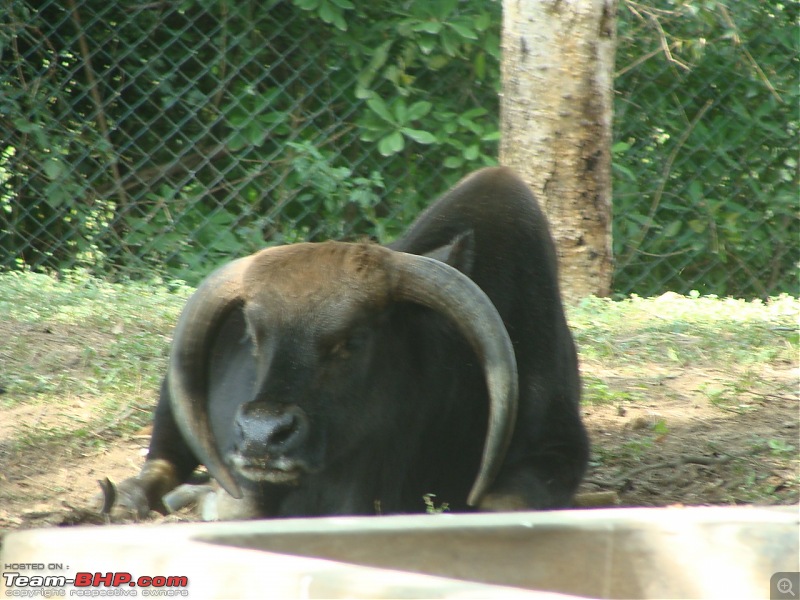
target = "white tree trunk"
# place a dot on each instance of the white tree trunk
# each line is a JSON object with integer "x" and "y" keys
{"x": 556, "y": 108}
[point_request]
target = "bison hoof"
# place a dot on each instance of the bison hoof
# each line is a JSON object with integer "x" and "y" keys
{"x": 123, "y": 502}
{"x": 503, "y": 503}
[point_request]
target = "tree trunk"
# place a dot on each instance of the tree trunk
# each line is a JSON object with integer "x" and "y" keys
{"x": 556, "y": 107}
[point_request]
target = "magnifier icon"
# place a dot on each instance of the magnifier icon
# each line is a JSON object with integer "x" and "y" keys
{"x": 785, "y": 587}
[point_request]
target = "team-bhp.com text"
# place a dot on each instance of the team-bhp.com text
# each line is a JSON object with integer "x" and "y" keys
{"x": 114, "y": 584}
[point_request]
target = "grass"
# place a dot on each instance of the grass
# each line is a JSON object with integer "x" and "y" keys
{"x": 682, "y": 331}
{"x": 687, "y": 329}
{"x": 110, "y": 340}
{"x": 79, "y": 341}
{"x": 83, "y": 359}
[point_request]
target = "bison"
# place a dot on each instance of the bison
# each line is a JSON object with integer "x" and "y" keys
{"x": 351, "y": 378}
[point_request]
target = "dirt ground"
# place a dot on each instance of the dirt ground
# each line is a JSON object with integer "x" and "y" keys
{"x": 661, "y": 440}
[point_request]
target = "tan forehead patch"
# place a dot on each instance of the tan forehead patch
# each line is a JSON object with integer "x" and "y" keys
{"x": 318, "y": 273}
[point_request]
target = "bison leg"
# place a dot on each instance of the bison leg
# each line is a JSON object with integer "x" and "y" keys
{"x": 137, "y": 496}
{"x": 169, "y": 463}
{"x": 529, "y": 488}
{"x": 545, "y": 480}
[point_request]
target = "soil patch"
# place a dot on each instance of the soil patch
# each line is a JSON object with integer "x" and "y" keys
{"x": 664, "y": 437}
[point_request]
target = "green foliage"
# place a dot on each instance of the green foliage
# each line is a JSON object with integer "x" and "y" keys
{"x": 430, "y": 505}
{"x": 332, "y": 200}
{"x": 171, "y": 136}
{"x": 705, "y": 162}
{"x": 596, "y": 391}
{"x": 781, "y": 448}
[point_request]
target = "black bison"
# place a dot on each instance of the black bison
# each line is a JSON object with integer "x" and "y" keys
{"x": 351, "y": 378}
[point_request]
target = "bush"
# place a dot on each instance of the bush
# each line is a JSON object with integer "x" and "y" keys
{"x": 171, "y": 136}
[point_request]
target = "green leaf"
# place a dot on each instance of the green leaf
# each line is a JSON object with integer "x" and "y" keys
{"x": 418, "y": 110}
{"x": 307, "y": 4}
{"x": 479, "y": 64}
{"x": 55, "y": 194}
{"x": 697, "y": 226}
{"x": 339, "y": 22}
{"x": 672, "y": 229}
{"x": 624, "y": 171}
{"x": 427, "y": 45}
{"x": 474, "y": 113}
{"x": 449, "y": 43}
{"x": 696, "y": 191}
{"x": 465, "y": 32}
{"x": 333, "y": 15}
{"x": 453, "y": 162}
{"x": 620, "y": 148}
{"x": 362, "y": 93}
{"x": 482, "y": 21}
{"x": 378, "y": 106}
{"x": 400, "y": 111}
{"x": 25, "y": 126}
{"x": 53, "y": 169}
{"x": 438, "y": 61}
{"x": 470, "y": 125}
{"x": 420, "y": 136}
{"x": 256, "y": 135}
{"x": 391, "y": 144}
{"x": 370, "y": 135}
{"x": 428, "y": 27}
{"x": 379, "y": 57}
{"x": 443, "y": 8}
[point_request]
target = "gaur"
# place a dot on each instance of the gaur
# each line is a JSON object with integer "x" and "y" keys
{"x": 351, "y": 378}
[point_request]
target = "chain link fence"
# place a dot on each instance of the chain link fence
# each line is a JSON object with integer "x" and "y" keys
{"x": 161, "y": 138}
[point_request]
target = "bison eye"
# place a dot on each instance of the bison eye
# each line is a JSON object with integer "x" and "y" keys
{"x": 345, "y": 346}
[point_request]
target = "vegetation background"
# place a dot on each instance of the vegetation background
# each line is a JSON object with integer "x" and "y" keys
{"x": 164, "y": 137}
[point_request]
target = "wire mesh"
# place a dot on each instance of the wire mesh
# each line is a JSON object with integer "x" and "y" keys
{"x": 144, "y": 138}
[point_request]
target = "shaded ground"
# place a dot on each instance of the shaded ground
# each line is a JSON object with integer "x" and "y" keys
{"x": 676, "y": 446}
{"x": 662, "y": 432}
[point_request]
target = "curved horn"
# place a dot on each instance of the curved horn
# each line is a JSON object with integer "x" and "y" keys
{"x": 196, "y": 330}
{"x": 445, "y": 289}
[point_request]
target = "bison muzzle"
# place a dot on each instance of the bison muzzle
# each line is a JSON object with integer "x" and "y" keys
{"x": 349, "y": 378}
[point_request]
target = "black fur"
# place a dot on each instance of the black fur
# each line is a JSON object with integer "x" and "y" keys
{"x": 401, "y": 409}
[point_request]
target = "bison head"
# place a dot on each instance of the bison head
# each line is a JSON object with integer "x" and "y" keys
{"x": 310, "y": 313}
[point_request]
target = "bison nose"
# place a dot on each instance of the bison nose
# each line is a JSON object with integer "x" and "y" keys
{"x": 263, "y": 431}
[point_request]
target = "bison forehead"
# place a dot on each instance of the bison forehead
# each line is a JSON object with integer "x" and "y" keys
{"x": 310, "y": 277}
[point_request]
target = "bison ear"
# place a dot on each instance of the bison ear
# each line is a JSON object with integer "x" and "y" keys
{"x": 459, "y": 254}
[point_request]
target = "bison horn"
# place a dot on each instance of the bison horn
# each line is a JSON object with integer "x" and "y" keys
{"x": 448, "y": 291}
{"x": 416, "y": 279}
{"x": 195, "y": 332}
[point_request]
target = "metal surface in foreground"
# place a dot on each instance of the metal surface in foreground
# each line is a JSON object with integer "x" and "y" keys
{"x": 714, "y": 552}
